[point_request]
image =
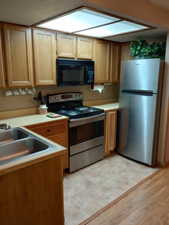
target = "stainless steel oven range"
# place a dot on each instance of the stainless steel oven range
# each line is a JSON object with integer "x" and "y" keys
{"x": 86, "y": 128}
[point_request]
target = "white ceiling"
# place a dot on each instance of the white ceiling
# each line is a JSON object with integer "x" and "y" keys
{"x": 154, "y": 34}
{"x": 28, "y": 12}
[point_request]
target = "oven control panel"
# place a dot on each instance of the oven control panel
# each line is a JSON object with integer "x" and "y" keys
{"x": 71, "y": 96}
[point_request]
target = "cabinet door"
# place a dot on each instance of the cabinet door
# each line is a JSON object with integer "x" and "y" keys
{"x": 114, "y": 63}
{"x": 18, "y": 52}
{"x": 101, "y": 57}
{"x": 66, "y": 45}
{"x": 111, "y": 126}
{"x": 84, "y": 48}
{"x": 2, "y": 73}
{"x": 44, "y": 46}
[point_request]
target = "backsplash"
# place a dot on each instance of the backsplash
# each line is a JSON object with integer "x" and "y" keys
{"x": 110, "y": 94}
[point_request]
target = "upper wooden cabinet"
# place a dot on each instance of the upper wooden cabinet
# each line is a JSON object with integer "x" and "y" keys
{"x": 44, "y": 46}
{"x": 66, "y": 45}
{"x": 101, "y": 56}
{"x": 114, "y": 63}
{"x": 84, "y": 48}
{"x": 2, "y": 72}
{"x": 18, "y": 52}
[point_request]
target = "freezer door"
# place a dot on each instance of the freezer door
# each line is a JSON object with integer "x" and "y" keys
{"x": 140, "y": 75}
{"x": 136, "y": 126}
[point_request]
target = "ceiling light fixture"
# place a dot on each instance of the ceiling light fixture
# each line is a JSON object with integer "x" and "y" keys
{"x": 91, "y": 23}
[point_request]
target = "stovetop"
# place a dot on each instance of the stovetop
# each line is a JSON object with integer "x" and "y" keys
{"x": 79, "y": 112}
{"x": 71, "y": 105}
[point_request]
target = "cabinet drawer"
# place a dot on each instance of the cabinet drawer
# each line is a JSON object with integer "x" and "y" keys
{"x": 49, "y": 129}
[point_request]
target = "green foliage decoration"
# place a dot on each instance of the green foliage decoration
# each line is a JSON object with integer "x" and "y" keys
{"x": 144, "y": 49}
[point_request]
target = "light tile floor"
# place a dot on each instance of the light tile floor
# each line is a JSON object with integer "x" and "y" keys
{"x": 90, "y": 189}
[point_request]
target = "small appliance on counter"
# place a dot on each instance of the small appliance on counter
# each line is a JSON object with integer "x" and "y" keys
{"x": 43, "y": 109}
{"x": 86, "y": 128}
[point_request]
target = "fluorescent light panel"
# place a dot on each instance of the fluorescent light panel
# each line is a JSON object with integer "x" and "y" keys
{"x": 113, "y": 29}
{"x": 91, "y": 23}
{"x": 78, "y": 20}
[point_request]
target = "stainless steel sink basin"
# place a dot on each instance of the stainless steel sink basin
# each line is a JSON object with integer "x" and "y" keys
{"x": 12, "y": 151}
{"x": 11, "y": 135}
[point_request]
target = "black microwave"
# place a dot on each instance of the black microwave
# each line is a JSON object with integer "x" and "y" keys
{"x": 75, "y": 72}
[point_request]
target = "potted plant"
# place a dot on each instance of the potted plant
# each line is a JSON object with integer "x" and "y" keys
{"x": 144, "y": 49}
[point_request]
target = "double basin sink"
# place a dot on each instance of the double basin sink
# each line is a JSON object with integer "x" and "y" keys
{"x": 18, "y": 142}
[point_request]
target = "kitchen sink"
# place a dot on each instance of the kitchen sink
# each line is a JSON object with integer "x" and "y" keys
{"x": 19, "y": 142}
{"x": 20, "y": 148}
{"x": 11, "y": 135}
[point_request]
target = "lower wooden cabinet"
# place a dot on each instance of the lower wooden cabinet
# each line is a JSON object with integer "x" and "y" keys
{"x": 56, "y": 131}
{"x": 110, "y": 131}
{"x": 33, "y": 194}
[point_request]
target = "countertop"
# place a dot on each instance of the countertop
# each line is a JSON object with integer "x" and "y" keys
{"x": 108, "y": 107}
{"x": 37, "y": 118}
{"x": 30, "y": 120}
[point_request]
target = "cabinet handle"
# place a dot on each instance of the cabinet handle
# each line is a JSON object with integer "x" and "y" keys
{"x": 48, "y": 130}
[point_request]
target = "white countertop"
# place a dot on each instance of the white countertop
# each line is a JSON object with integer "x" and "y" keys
{"x": 108, "y": 107}
{"x": 37, "y": 118}
{"x": 30, "y": 120}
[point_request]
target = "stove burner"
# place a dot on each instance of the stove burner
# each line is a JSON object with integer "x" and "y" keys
{"x": 82, "y": 108}
{"x": 68, "y": 112}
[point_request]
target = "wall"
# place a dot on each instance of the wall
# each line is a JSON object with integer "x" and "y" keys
{"x": 163, "y": 156}
{"x": 90, "y": 97}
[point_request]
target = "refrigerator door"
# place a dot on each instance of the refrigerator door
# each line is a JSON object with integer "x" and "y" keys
{"x": 140, "y": 75}
{"x": 136, "y": 126}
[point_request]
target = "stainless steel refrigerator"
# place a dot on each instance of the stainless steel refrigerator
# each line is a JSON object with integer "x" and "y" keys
{"x": 140, "y": 94}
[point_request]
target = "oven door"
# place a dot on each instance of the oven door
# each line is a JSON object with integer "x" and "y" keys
{"x": 86, "y": 133}
{"x": 86, "y": 141}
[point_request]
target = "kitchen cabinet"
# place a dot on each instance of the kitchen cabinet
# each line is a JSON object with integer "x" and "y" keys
{"x": 114, "y": 63}
{"x": 18, "y": 52}
{"x": 56, "y": 131}
{"x": 44, "y": 47}
{"x": 84, "y": 48}
{"x": 66, "y": 45}
{"x": 2, "y": 71}
{"x": 110, "y": 131}
{"x": 101, "y": 51}
{"x": 32, "y": 193}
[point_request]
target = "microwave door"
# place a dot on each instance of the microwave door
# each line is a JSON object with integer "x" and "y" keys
{"x": 74, "y": 72}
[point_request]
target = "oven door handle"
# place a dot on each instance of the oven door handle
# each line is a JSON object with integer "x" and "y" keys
{"x": 85, "y": 120}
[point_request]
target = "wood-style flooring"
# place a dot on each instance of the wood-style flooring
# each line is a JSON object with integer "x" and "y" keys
{"x": 145, "y": 204}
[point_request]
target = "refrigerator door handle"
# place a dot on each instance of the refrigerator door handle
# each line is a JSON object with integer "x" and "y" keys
{"x": 136, "y": 92}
